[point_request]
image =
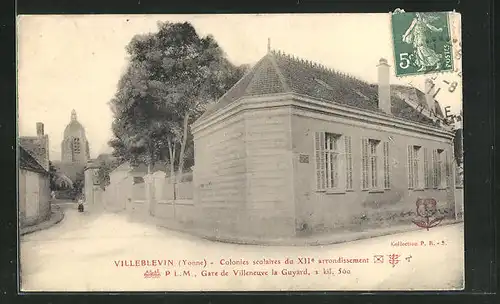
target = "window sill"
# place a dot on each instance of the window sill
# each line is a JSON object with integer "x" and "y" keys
{"x": 419, "y": 189}
{"x": 335, "y": 191}
{"x": 443, "y": 188}
{"x": 376, "y": 191}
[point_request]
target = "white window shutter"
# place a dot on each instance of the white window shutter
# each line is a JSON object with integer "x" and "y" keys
{"x": 435, "y": 169}
{"x": 410, "y": 167}
{"x": 387, "y": 181}
{"x": 348, "y": 161}
{"x": 319, "y": 157}
{"x": 426, "y": 169}
{"x": 364, "y": 164}
{"x": 447, "y": 165}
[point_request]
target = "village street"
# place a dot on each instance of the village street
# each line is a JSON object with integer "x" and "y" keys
{"x": 82, "y": 253}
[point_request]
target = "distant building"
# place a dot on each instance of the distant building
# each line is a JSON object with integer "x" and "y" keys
{"x": 295, "y": 147}
{"x": 34, "y": 190}
{"x": 74, "y": 151}
{"x": 74, "y": 146}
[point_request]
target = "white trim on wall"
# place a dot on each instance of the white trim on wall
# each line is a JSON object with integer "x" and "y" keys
{"x": 367, "y": 119}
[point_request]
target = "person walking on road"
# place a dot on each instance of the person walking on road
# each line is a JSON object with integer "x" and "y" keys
{"x": 80, "y": 203}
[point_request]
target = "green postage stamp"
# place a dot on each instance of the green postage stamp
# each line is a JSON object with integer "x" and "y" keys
{"x": 422, "y": 43}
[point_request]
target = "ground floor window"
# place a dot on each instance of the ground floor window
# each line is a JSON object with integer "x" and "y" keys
{"x": 375, "y": 164}
{"x": 333, "y": 161}
{"x": 416, "y": 165}
{"x": 441, "y": 169}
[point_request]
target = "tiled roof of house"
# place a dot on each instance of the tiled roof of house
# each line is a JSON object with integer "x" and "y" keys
{"x": 280, "y": 73}
{"x": 35, "y": 146}
{"x": 28, "y": 162}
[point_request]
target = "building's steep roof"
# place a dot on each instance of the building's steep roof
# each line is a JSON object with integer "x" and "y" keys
{"x": 280, "y": 73}
{"x": 35, "y": 146}
{"x": 28, "y": 162}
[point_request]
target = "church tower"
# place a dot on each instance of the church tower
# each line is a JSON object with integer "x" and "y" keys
{"x": 74, "y": 147}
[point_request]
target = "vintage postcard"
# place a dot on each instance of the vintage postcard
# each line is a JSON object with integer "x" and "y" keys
{"x": 280, "y": 152}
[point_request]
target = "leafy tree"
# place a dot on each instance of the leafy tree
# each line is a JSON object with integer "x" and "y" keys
{"x": 172, "y": 76}
{"x": 78, "y": 184}
{"x": 105, "y": 168}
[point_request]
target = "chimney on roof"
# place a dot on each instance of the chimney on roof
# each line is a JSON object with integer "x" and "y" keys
{"x": 39, "y": 129}
{"x": 268, "y": 45}
{"x": 429, "y": 94}
{"x": 384, "y": 89}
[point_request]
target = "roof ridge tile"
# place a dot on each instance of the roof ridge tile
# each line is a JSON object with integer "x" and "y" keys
{"x": 299, "y": 75}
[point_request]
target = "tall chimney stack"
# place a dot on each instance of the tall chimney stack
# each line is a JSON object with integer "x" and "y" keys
{"x": 429, "y": 93}
{"x": 39, "y": 129}
{"x": 384, "y": 90}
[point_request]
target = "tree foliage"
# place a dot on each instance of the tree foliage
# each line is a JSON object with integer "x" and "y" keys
{"x": 52, "y": 177}
{"x": 105, "y": 168}
{"x": 171, "y": 77}
{"x": 78, "y": 185}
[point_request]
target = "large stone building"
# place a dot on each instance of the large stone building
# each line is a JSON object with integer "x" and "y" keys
{"x": 295, "y": 147}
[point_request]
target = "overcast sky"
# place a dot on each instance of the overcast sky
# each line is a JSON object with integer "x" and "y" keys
{"x": 75, "y": 62}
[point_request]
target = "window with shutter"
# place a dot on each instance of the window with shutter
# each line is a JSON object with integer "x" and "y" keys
{"x": 319, "y": 155}
{"x": 417, "y": 174}
{"x": 410, "y": 167}
{"x": 435, "y": 169}
{"x": 364, "y": 163}
{"x": 387, "y": 181}
{"x": 332, "y": 160}
{"x": 329, "y": 161}
{"x": 448, "y": 168}
{"x": 441, "y": 169}
{"x": 374, "y": 159}
{"x": 426, "y": 170}
{"x": 348, "y": 156}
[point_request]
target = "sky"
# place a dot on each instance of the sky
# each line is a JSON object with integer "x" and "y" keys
{"x": 75, "y": 61}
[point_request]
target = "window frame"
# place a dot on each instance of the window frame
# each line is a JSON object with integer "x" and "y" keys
{"x": 326, "y": 149}
{"x": 441, "y": 163}
{"x": 374, "y": 158}
{"x": 332, "y": 158}
{"x": 416, "y": 167}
